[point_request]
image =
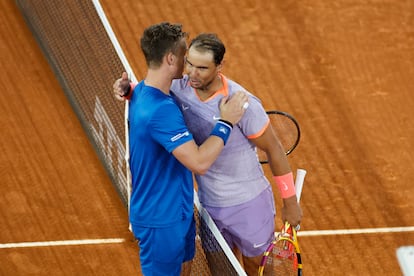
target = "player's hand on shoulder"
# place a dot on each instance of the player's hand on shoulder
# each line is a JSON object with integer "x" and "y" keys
{"x": 232, "y": 108}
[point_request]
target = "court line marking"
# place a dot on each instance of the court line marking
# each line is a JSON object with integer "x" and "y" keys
{"x": 61, "y": 243}
{"x": 300, "y": 233}
{"x": 355, "y": 231}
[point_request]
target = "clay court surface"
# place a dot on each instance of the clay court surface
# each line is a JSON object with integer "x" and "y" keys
{"x": 345, "y": 71}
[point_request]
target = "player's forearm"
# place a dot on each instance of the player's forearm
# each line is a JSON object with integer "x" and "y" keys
{"x": 211, "y": 148}
{"x": 278, "y": 162}
{"x": 208, "y": 153}
{"x": 198, "y": 159}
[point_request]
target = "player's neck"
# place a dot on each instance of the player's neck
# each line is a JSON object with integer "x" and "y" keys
{"x": 158, "y": 79}
{"x": 210, "y": 88}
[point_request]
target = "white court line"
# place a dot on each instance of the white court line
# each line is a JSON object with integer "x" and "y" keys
{"x": 300, "y": 233}
{"x": 60, "y": 243}
{"x": 356, "y": 231}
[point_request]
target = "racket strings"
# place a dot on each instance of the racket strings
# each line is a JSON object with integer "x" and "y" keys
{"x": 287, "y": 130}
{"x": 281, "y": 260}
{"x": 281, "y": 257}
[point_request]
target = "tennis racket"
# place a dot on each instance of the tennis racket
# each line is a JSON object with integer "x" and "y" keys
{"x": 287, "y": 130}
{"x": 283, "y": 256}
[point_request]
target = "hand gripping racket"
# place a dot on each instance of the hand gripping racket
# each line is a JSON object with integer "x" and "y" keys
{"x": 287, "y": 130}
{"x": 282, "y": 256}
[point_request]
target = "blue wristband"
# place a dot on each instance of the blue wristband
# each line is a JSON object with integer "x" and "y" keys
{"x": 222, "y": 129}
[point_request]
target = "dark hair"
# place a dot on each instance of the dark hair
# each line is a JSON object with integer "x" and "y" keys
{"x": 210, "y": 42}
{"x": 159, "y": 39}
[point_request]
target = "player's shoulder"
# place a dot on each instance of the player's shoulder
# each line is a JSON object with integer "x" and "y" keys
{"x": 234, "y": 87}
{"x": 178, "y": 85}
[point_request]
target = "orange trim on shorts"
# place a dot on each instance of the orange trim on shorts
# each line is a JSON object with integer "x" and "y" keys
{"x": 258, "y": 134}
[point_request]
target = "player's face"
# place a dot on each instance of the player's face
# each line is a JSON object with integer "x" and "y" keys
{"x": 201, "y": 69}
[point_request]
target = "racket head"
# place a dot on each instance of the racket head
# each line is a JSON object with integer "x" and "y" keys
{"x": 287, "y": 130}
{"x": 282, "y": 256}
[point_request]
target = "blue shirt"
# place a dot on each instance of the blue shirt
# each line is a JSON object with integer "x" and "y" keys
{"x": 162, "y": 188}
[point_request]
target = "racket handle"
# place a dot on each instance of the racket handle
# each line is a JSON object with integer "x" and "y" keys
{"x": 300, "y": 178}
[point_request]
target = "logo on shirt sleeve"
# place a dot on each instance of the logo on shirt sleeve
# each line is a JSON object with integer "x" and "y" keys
{"x": 179, "y": 136}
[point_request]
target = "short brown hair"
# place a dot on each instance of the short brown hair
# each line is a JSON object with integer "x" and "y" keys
{"x": 159, "y": 39}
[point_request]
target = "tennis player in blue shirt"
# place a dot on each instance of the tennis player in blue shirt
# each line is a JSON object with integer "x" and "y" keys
{"x": 163, "y": 154}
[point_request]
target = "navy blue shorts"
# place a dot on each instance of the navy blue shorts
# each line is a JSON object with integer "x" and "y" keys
{"x": 163, "y": 250}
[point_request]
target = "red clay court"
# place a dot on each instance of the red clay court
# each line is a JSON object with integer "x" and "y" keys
{"x": 344, "y": 70}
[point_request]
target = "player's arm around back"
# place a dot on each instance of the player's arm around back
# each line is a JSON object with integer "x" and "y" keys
{"x": 199, "y": 158}
{"x": 196, "y": 158}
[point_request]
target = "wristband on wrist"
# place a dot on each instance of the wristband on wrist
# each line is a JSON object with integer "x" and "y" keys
{"x": 285, "y": 184}
{"x": 126, "y": 94}
{"x": 222, "y": 129}
{"x": 226, "y": 122}
{"x": 131, "y": 88}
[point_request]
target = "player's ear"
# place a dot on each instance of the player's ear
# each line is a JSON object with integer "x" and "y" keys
{"x": 220, "y": 66}
{"x": 170, "y": 57}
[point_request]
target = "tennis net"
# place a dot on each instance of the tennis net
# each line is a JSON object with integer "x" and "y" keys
{"x": 80, "y": 46}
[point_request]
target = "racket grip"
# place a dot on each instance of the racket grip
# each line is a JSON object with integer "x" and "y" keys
{"x": 300, "y": 178}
